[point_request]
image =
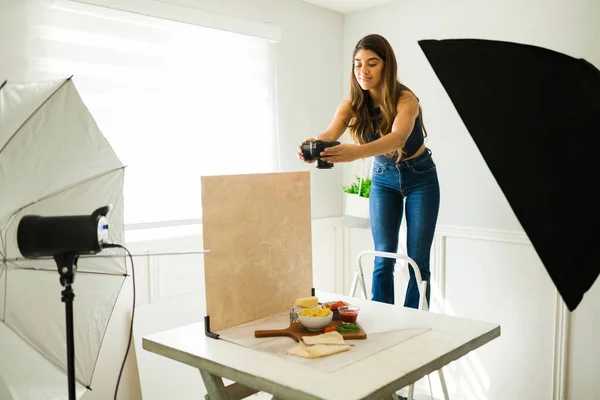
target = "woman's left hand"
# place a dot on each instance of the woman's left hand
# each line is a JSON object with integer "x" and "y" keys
{"x": 344, "y": 152}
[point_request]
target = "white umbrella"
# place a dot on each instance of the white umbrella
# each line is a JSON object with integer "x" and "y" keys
{"x": 53, "y": 161}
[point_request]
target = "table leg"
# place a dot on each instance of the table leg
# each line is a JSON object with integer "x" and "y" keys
{"x": 411, "y": 392}
{"x": 217, "y": 390}
{"x": 443, "y": 382}
{"x": 214, "y": 386}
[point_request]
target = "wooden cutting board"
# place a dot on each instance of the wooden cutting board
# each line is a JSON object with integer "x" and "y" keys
{"x": 297, "y": 330}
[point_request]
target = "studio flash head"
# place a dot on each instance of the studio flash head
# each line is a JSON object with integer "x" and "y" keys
{"x": 39, "y": 236}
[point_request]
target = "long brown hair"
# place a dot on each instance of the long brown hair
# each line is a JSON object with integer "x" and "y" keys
{"x": 362, "y": 124}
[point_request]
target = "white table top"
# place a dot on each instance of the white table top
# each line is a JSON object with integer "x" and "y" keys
{"x": 371, "y": 378}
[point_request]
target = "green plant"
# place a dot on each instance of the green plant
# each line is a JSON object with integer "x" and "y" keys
{"x": 365, "y": 187}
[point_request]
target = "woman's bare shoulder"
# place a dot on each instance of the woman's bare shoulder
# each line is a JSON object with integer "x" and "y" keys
{"x": 407, "y": 96}
{"x": 407, "y": 101}
{"x": 345, "y": 105}
{"x": 345, "y": 109}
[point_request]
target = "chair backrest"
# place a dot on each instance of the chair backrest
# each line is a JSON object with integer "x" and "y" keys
{"x": 422, "y": 285}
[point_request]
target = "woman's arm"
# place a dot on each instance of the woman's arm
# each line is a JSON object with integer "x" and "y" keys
{"x": 340, "y": 122}
{"x": 336, "y": 128}
{"x": 407, "y": 111}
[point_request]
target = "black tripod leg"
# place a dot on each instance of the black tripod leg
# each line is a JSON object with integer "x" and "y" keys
{"x": 67, "y": 266}
{"x": 68, "y": 296}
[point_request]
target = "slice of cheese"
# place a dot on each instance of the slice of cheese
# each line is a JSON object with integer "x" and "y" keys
{"x": 321, "y": 345}
{"x": 317, "y": 351}
{"x": 307, "y": 302}
{"x": 330, "y": 337}
{"x": 299, "y": 351}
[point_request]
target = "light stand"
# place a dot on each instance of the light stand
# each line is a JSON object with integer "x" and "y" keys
{"x": 67, "y": 266}
{"x": 64, "y": 238}
{"x": 67, "y": 239}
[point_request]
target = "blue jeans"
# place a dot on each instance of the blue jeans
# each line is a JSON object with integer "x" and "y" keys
{"x": 411, "y": 184}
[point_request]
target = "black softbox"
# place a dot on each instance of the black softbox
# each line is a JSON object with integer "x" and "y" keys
{"x": 534, "y": 115}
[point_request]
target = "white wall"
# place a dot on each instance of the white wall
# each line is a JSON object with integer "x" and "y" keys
{"x": 483, "y": 265}
{"x": 309, "y": 83}
{"x": 485, "y": 268}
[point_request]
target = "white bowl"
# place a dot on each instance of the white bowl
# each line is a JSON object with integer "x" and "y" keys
{"x": 315, "y": 324}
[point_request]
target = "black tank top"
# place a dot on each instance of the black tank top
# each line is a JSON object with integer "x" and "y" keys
{"x": 413, "y": 143}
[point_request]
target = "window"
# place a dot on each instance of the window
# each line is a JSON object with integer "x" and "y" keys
{"x": 175, "y": 100}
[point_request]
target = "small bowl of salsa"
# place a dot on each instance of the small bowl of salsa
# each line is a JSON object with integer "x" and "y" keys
{"x": 348, "y": 313}
{"x": 334, "y": 306}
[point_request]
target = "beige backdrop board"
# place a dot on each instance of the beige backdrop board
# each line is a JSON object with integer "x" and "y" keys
{"x": 257, "y": 228}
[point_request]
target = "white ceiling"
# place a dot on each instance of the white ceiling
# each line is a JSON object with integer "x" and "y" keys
{"x": 346, "y": 6}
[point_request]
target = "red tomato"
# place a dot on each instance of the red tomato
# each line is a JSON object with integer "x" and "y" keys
{"x": 338, "y": 304}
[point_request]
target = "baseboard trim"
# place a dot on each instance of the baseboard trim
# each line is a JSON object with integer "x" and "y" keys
{"x": 494, "y": 235}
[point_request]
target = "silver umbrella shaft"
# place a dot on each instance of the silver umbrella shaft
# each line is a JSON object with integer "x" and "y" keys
{"x": 179, "y": 253}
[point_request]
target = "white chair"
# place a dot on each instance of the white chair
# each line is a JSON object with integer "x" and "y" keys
{"x": 359, "y": 279}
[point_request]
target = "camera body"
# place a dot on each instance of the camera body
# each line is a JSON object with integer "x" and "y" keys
{"x": 312, "y": 151}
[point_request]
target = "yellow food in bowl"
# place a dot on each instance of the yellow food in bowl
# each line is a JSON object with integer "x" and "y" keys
{"x": 315, "y": 312}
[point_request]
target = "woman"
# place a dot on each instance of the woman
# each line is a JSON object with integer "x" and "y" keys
{"x": 385, "y": 122}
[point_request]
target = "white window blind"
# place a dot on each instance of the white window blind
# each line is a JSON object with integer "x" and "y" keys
{"x": 175, "y": 100}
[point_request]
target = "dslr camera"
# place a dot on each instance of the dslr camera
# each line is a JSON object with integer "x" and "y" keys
{"x": 312, "y": 151}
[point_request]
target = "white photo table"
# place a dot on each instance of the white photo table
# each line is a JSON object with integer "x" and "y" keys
{"x": 375, "y": 377}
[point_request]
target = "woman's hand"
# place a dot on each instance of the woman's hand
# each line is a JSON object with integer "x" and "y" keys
{"x": 344, "y": 152}
{"x": 299, "y": 154}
